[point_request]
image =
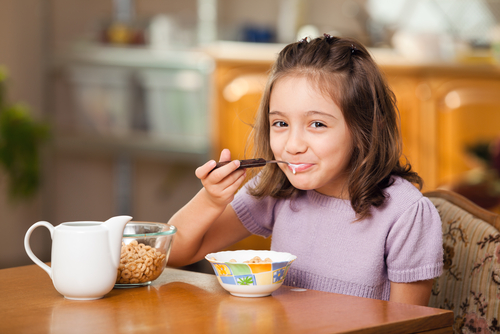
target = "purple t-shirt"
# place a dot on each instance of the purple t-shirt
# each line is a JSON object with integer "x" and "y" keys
{"x": 401, "y": 242}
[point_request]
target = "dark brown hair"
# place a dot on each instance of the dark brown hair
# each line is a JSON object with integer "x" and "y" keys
{"x": 342, "y": 69}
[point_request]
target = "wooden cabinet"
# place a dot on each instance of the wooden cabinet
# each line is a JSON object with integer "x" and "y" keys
{"x": 239, "y": 86}
{"x": 468, "y": 111}
{"x": 443, "y": 111}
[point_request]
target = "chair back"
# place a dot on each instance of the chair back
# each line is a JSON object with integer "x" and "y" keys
{"x": 470, "y": 283}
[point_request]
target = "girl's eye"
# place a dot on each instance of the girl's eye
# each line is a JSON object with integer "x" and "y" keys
{"x": 317, "y": 125}
{"x": 280, "y": 124}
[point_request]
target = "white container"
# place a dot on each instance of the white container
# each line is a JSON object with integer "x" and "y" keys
{"x": 85, "y": 256}
{"x": 176, "y": 102}
{"x": 103, "y": 97}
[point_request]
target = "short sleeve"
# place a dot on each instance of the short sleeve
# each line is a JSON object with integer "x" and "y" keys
{"x": 257, "y": 215}
{"x": 414, "y": 247}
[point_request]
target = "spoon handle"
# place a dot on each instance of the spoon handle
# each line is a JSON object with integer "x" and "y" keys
{"x": 244, "y": 163}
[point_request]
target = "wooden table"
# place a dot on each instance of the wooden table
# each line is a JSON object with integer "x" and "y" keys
{"x": 188, "y": 302}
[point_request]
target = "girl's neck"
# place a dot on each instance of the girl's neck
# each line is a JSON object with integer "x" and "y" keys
{"x": 338, "y": 188}
{"x": 340, "y": 194}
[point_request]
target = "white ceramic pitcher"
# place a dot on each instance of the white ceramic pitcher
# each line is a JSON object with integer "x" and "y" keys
{"x": 85, "y": 256}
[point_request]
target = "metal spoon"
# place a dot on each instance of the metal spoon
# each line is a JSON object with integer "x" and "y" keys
{"x": 249, "y": 163}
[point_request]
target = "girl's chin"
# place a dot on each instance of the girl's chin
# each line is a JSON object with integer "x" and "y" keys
{"x": 301, "y": 185}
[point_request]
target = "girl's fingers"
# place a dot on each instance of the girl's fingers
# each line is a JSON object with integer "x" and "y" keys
{"x": 224, "y": 191}
{"x": 218, "y": 174}
{"x": 223, "y": 177}
{"x": 230, "y": 179}
{"x": 225, "y": 155}
{"x": 235, "y": 183}
{"x": 203, "y": 171}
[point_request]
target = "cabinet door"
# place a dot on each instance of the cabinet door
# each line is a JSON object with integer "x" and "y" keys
{"x": 239, "y": 90}
{"x": 468, "y": 112}
{"x": 409, "y": 91}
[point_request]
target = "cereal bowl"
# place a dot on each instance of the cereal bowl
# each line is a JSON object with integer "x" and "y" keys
{"x": 243, "y": 275}
{"x": 144, "y": 253}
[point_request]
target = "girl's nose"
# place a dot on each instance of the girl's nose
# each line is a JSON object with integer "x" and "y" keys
{"x": 296, "y": 143}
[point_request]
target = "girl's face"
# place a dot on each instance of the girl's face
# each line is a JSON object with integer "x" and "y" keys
{"x": 309, "y": 129}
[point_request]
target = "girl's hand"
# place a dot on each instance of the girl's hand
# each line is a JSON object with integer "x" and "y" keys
{"x": 222, "y": 183}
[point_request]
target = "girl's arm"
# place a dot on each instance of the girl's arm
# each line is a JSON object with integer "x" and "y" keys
{"x": 208, "y": 223}
{"x": 416, "y": 293}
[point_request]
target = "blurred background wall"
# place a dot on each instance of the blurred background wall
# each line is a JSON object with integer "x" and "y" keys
{"x": 139, "y": 93}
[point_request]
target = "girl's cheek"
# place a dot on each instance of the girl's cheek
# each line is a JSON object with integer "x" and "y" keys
{"x": 273, "y": 144}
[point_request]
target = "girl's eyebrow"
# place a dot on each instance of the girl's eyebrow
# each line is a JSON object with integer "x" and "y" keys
{"x": 308, "y": 113}
{"x": 321, "y": 113}
{"x": 275, "y": 113}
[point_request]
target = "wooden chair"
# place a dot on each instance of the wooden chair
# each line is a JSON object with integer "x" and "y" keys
{"x": 470, "y": 283}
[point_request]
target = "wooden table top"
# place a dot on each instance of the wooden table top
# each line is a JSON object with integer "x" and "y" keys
{"x": 188, "y": 302}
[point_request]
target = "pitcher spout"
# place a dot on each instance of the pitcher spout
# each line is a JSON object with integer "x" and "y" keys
{"x": 116, "y": 225}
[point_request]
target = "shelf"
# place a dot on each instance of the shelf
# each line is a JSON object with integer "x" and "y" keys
{"x": 186, "y": 150}
{"x": 137, "y": 57}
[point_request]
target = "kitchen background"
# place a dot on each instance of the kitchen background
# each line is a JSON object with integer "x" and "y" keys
{"x": 137, "y": 94}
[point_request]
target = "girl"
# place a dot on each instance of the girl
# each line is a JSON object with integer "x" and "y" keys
{"x": 349, "y": 210}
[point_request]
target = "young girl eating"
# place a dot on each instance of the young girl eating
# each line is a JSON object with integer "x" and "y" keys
{"x": 347, "y": 207}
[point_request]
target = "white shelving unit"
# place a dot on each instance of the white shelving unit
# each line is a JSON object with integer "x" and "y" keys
{"x": 130, "y": 103}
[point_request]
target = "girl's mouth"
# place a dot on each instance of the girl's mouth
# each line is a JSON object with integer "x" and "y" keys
{"x": 297, "y": 168}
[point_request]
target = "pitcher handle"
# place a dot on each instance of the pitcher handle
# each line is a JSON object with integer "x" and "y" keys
{"x": 28, "y": 248}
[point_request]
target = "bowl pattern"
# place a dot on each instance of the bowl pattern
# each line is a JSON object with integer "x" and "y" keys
{"x": 251, "y": 273}
{"x": 250, "y": 279}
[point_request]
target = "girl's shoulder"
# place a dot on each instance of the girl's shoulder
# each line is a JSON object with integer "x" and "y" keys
{"x": 402, "y": 195}
{"x": 403, "y": 189}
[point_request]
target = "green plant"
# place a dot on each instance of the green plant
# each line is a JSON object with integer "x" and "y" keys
{"x": 21, "y": 137}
